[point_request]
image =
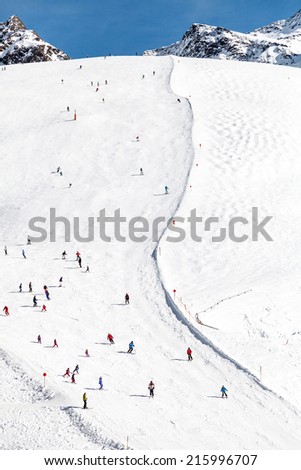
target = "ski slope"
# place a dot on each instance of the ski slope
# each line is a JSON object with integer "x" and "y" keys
{"x": 101, "y": 157}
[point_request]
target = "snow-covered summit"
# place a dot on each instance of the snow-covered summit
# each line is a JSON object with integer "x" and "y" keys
{"x": 277, "y": 43}
{"x": 283, "y": 28}
{"x": 21, "y": 45}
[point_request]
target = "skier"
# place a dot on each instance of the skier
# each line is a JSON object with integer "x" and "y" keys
{"x": 224, "y": 392}
{"x": 131, "y": 347}
{"x": 47, "y": 294}
{"x": 68, "y": 109}
{"x": 35, "y": 302}
{"x": 61, "y": 173}
{"x": 39, "y": 339}
{"x": 189, "y": 354}
{"x": 179, "y": 100}
{"x": 23, "y": 254}
{"x": 154, "y": 72}
{"x": 77, "y": 255}
{"x": 141, "y": 172}
{"x": 64, "y": 254}
{"x": 20, "y": 287}
{"x": 5, "y": 310}
{"x": 30, "y": 287}
{"x": 73, "y": 379}
{"x": 100, "y": 383}
{"x": 44, "y": 309}
{"x": 70, "y": 184}
{"x": 28, "y": 240}
{"x": 67, "y": 373}
{"x": 166, "y": 189}
{"x": 87, "y": 269}
{"x": 61, "y": 281}
{"x": 91, "y": 83}
{"x": 137, "y": 138}
{"x": 80, "y": 262}
{"x": 106, "y": 82}
{"x": 151, "y": 387}
{"x": 76, "y": 370}
{"x": 55, "y": 345}
{"x": 59, "y": 168}
{"x": 87, "y": 353}
{"x": 5, "y": 250}
{"x": 127, "y": 299}
{"x": 110, "y": 338}
{"x": 143, "y": 77}
{"x": 85, "y": 401}
{"x": 96, "y": 89}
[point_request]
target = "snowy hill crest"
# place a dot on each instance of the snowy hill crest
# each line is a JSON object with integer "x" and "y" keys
{"x": 277, "y": 43}
{"x": 20, "y": 45}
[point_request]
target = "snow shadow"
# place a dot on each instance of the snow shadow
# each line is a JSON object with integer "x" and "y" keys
{"x": 182, "y": 360}
{"x": 142, "y": 396}
{"x": 65, "y": 408}
{"x": 160, "y": 194}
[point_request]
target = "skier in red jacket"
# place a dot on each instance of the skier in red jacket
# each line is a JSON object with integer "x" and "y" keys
{"x": 5, "y": 310}
{"x": 110, "y": 338}
{"x": 189, "y": 354}
{"x": 55, "y": 344}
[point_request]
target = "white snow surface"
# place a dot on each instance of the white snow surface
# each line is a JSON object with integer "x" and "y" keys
{"x": 246, "y": 117}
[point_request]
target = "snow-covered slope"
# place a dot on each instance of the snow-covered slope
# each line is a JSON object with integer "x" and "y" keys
{"x": 277, "y": 43}
{"x": 250, "y": 290}
{"x": 101, "y": 157}
{"x": 21, "y": 45}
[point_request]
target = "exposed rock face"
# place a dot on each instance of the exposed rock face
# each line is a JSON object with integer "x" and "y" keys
{"x": 21, "y": 45}
{"x": 277, "y": 43}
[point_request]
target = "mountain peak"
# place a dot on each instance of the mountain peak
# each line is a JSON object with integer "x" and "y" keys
{"x": 21, "y": 45}
{"x": 14, "y": 23}
{"x": 277, "y": 43}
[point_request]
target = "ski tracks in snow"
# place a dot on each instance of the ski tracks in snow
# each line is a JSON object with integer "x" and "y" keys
{"x": 32, "y": 418}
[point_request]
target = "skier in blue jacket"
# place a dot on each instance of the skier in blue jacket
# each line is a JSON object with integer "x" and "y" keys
{"x": 100, "y": 383}
{"x": 224, "y": 392}
{"x": 131, "y": 347}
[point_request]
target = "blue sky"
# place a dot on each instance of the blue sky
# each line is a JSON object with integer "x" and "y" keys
{"x": 93, "y": 28}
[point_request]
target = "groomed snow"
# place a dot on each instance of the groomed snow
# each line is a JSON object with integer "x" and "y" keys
{"x": 246, "y": 119}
